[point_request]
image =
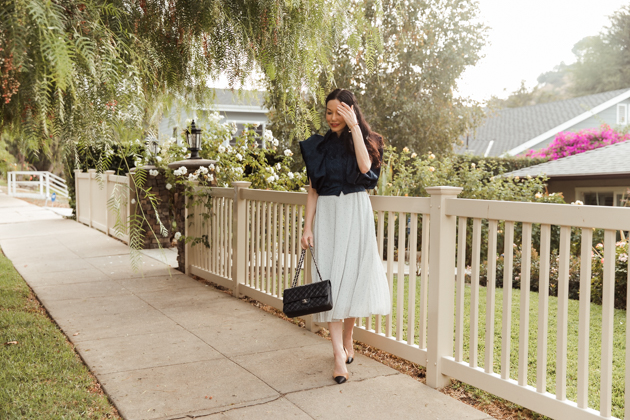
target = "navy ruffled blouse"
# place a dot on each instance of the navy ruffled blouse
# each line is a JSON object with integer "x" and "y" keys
{"x": 333, "y": 169}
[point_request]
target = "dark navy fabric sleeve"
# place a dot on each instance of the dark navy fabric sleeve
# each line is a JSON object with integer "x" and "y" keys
{"x": 314, "y": 159}
{"x": 369, "y": 179}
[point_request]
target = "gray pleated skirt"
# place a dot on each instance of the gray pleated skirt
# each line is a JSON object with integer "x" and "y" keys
{"x": 347, "y": 255}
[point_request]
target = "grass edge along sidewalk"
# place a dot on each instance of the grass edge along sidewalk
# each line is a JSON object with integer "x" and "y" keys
{"x": 41, "y": 375}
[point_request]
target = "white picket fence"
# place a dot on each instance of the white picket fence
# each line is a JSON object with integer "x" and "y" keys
{"x": 92, "y": 193}
{"x": 36, "y": 184}
{"x": 253, "y": 238}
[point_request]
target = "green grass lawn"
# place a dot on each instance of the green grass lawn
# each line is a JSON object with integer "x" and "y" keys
{"x": 41, "y": 377}
{"x": 572, "y": 351}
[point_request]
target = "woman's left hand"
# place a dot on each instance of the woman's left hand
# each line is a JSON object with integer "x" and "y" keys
{"x": 347, "y": 112}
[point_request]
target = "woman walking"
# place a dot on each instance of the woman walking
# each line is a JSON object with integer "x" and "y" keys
{"x": 341, "y": 166}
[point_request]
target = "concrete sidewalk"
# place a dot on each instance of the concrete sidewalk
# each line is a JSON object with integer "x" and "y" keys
{"x": 165, "y": 346}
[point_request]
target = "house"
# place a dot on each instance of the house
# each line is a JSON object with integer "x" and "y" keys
{"x": 246, "y": 107}
{"x": 514, "y": 131}
{"x": 599, "y": 177}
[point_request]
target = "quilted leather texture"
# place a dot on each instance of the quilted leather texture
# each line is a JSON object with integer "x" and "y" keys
{"x": 307, "y": 299}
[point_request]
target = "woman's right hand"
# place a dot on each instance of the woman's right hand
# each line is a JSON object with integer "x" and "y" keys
{"x": 307, "y": 238}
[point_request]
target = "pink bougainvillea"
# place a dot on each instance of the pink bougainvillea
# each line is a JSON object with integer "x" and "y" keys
{"x": 567, "y": 143}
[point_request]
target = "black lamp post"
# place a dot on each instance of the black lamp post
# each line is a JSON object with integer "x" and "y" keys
{"x": 193, "y": 138}
{"x": 152, "y": 148}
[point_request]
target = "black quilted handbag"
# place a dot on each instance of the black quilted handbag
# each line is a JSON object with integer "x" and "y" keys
{"x": 309, "y": 298}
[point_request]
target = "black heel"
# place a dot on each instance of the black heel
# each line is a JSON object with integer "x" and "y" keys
{"x": 341, "y": 378}
{"x": 348, "y": 359}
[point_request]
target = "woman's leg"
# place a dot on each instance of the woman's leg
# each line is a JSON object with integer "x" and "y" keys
{"x": 336, "y": 332}
{"x": 348, "y": 328}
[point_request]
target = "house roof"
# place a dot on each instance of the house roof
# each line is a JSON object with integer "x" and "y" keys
{"x": 243, "y": 101}
{"x": 608, "y": 160}
{"x": 507, "y": 129}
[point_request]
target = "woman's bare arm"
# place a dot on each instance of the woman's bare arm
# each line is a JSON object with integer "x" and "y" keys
{"x": 360, "y": 150}
{"x": 311, "y": 205}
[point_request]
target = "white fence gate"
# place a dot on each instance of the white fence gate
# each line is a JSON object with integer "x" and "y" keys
{"x": 38, "y": 184}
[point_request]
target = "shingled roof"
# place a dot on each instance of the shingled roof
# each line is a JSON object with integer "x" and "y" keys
{"x": 511, "y": 127}
{"x": 608, "y": 160}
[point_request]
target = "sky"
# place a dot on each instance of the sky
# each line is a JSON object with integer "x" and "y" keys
{"x": 529, "y": 37}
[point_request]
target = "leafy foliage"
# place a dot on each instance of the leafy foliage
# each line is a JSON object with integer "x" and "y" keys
{"x": 407, "y": 96}
{"x": 77, "y": 71}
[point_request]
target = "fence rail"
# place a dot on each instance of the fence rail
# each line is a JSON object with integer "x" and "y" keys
{"x": 434, "y": 249}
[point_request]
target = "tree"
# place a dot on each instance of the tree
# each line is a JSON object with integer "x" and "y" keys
{"x": 81, "y": 71}
{"x": 408, "y": 97}
{"x": 603, "y": 61}
{"x": 602, "y": 64}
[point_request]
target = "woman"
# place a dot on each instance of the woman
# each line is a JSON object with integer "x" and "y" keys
{"x": 339, "y": 223}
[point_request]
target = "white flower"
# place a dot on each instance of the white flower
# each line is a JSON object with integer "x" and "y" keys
{"x": 431, "y": 156}
{"x": 210, "y": 177}
{"x": 255, "y": 125}
{"x": 137, "y": 141}
{"x": 133, "y": 201}
{"x": 303, "y": 189}
{"x": 290, "y": 174}
{"x": 623, "y": 257}
{"x": 579, "y": 203}
{"x": 187, "y": 156}
{"x": 239, "y": 170}
{"x": 176, "y": 172}
{"x": 153, "y": 172}
{"x": 276, "y": 177}
{"x": 271, "y": 179}
{"x": 211, "y": 166}
{"x": 268, "y": 135}
{"x": 473, "y": 165}
{"x": 229, "y": 149}
{"x": 184, "y": 150}
{"x": 183, "y": 170}
{"x": 414, "y": 154}
{"x": 431, "y": 168}
{"x": 169, "y": 186}
{"x": 255, "y": 144}
{"x": 234, "y": 128}
{"x": 218, "y": 169}
{"x": 203, "y": 169}
{"x": 278, "y": 166}
{"x": 288, "y": 152}
{"x": 192, "y": 177}
{"x": 239, "y": 156}
{"x": 243, "y": 147}
{"x": 539, "y": 195}
{"x": 221, "y": 149}
{"x": 177, "y": 236}
{"x": 275, "y": 142}
{"x": 158, "y": 158}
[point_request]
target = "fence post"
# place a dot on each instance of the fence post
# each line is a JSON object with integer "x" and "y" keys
{"x": 107, "y": 174}
{"x": 441, "y": 284}
{"x": 76, "y": 194}
{"x": 239, "y": 236}
{"x": 91, "y": 174}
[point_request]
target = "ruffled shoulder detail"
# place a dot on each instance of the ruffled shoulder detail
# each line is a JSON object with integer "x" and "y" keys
{"x": 314, "y": 157}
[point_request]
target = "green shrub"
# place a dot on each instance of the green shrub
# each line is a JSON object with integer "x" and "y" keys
{"x": 597, "y": 273}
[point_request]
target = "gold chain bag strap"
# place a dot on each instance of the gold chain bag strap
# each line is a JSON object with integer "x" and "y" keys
{"x": 309, "y": 298}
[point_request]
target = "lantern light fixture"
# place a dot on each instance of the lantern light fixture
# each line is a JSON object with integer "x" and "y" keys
{"x": 193, "y": 138}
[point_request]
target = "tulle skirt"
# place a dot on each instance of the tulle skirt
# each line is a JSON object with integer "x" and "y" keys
{"x": 347, "y": 255}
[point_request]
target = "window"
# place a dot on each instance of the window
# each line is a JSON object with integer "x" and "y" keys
{"x": 622, "y": 114}
{"x": 603, "y": 196}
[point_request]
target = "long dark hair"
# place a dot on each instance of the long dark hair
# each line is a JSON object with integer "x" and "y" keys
{"x": 373, "y": 141}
